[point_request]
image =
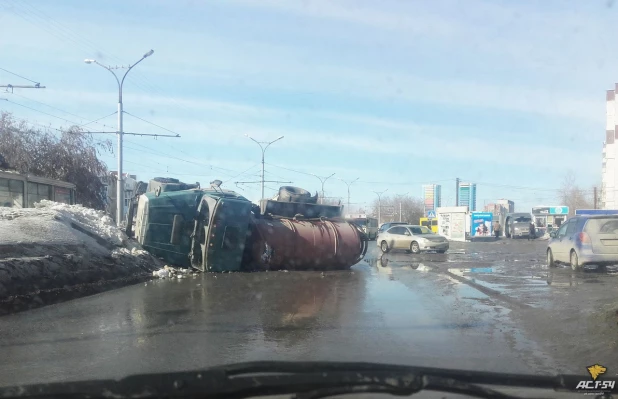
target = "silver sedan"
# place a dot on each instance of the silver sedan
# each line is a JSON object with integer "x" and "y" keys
{"x": 411, "y": 238}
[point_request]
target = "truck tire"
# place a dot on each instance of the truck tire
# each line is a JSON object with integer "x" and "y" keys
{"x": 293, "y": 194}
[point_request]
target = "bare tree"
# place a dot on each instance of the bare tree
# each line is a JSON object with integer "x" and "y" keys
{"x": 70, "y": 156}
{"x": 405, "y": 208}
{"x": 573, "y": 196}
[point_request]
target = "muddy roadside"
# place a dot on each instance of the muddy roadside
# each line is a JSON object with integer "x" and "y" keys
{"x": 573, "y": 315}
{"x": 34, "y": 275}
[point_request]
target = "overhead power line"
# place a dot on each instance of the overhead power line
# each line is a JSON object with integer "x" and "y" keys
{"x": 19, "y": 76}
{"x": 35, "y": 16}
{"x": 42, "y": 112}
{"x": 67, "y": 112}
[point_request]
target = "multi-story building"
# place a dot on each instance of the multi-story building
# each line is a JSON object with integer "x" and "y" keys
{"x": 432, "y": 197}
{"x": 467, "y": 195}
{"x": 130, "y": 186}
{"x": 609, "y": 174}
{"x": 500, "y": 208}
{"x": 508, "y": 204}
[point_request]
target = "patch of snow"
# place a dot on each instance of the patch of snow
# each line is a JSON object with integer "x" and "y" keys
{"x": 171, "y": 272}
{"x": 53, "y": 223}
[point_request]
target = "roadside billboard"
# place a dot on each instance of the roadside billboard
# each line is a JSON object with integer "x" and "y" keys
{"x": 452, "y": 222}
{"x": 481, "y": 224}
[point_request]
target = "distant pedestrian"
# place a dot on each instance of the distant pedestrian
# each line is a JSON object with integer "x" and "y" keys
{"x": 484, "y": 229}
{"x": 497, "y": 229}
{"x": 532, "y": 234}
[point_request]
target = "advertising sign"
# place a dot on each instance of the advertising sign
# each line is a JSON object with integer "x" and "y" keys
{"x": 458, "y": 226}
{"x": 550, "y": 210}
{"x": 481, "y": 224}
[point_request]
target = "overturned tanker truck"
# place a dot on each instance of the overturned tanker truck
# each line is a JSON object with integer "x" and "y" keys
{"x": 218, "y": 230}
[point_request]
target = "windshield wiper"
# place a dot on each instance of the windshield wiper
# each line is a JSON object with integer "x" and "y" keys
{"x": 308, "y": 380}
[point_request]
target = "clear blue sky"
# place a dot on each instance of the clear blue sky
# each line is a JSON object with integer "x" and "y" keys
{"x": 506, "y": 94}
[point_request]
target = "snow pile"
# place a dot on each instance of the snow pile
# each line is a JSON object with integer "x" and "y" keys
{"x": 172, "y": 272}
{"x": 55, "y": 223}
{"x": 97, "y": 222}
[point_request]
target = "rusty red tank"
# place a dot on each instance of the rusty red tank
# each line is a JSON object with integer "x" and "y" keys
{"x": 287, "y": 243}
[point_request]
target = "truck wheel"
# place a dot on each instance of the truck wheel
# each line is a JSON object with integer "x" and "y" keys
{"x": 574, "y": 260}
{"x": 384, "y": 247}
{"x": 550, "y": 258}
{"x": 414, "y": 248}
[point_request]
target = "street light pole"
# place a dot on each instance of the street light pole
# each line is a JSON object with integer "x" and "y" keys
{"x": 349, "y": 184}
{"x": 323, "y": 180}
{"x": 379, "y": 194}
{"x": 120, "y": 180}
{"x": 263, "y": 152}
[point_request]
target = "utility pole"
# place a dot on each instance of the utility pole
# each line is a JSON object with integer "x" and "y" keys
{"x": 120, "y": 133}
{"x": 457, "y": 191}
{"x": 268, "y": 143}
{"x": 400, "y": 204}
{"x": 379, "y": 194}
{"x": 349, "y": 184}
{"x": 323, "y": 180}
{"x": 595, "y": 197}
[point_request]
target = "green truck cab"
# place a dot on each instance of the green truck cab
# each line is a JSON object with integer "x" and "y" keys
{"x": 201, "y": 228}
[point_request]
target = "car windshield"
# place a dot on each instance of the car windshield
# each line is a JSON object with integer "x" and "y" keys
{"x": 178, "y": 191}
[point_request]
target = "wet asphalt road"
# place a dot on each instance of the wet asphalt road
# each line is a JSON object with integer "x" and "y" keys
{"x": 486, "y": 306}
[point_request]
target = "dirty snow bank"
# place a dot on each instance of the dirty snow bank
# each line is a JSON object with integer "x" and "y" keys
{"x": 58, "y": 246}
{"x": 43, "y": 223}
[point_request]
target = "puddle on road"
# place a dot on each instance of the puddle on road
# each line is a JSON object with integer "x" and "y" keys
{"x": 473, "y": 270}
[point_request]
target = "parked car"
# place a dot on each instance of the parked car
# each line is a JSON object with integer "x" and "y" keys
{"x": 386, "y": 226}
{"x": 584, "y": 240}
{"x": 411, "y": 238}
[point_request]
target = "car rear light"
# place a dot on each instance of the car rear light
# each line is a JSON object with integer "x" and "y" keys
{"x": 584, "y": 238}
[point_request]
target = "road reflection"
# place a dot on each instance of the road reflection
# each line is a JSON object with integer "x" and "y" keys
{"x": 565, "y": 277}
{"x": 288, "y": 308}
{"x": 384, "y": 264}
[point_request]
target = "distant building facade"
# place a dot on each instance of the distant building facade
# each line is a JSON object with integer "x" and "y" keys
{"x": 131, "y": 186}
{"x": 467, "y": 195}
{"x": 508, "y": 204}
{"x": 432, "y": 197}
{"x": 609, "y": 166}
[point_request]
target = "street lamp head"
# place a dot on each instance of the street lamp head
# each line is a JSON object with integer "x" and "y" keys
{"x": 89, "y": 61}
{"x": 148, "y": 54}
{"x": 279, "y": 138}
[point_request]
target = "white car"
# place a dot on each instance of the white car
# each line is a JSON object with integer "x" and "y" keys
{"x": 412, "y": 238}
